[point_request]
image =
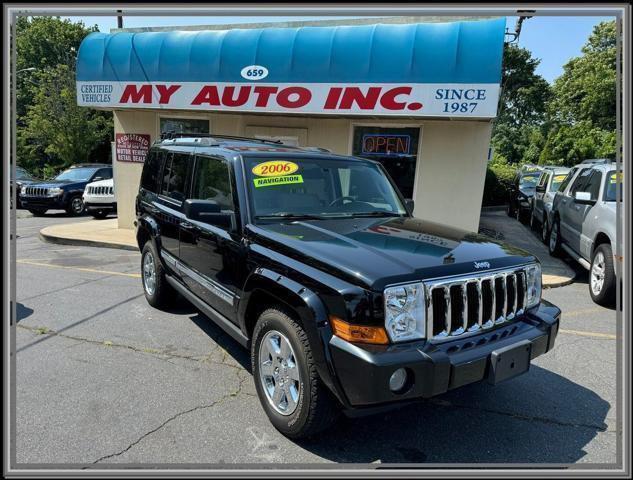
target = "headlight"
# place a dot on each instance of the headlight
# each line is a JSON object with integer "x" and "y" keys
{"x": 404, "y": 312}
{"x": 53, "y": 192}
{"x": 533, "y": 285}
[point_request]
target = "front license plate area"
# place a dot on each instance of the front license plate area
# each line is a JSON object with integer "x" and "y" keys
{"x": 509, "y": 362}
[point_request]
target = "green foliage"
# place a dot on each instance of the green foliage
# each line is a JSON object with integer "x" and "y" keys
{"x": 499, "y": 178}
{"x": 52, "y": 131}
{"x": 582, "y": 112}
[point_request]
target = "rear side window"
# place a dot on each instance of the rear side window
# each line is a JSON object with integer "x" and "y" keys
{"x": 175, "y": 176}
{"x": 151, "y": 171}
{"x": 211, "y": 181}
{"x": 563, "y": 185}
{"x": 104, "y": 173}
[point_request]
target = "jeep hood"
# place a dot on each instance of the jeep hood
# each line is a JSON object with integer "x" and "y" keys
{"x": 57, "y": 184}
{"x": 377, "y": 252}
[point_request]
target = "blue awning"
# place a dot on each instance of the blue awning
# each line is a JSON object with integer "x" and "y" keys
{"x": 468, "y": 52}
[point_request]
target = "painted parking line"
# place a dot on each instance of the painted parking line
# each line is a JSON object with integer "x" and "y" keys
{"x": 589, "y": 334}
{"x": 81, "y": 269}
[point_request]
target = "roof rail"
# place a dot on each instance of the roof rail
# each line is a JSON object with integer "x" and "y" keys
{"x": 171, "y": 135}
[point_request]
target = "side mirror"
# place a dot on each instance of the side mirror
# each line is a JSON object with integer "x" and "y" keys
{"x": 584, "y": 198}
{"x": 409, "y": 205}
{"x": 207, "y": 211}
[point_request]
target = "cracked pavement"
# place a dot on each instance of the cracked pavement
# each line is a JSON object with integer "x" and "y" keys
{"x": 103, "y": 378}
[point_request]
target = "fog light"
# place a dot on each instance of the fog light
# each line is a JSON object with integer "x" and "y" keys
{"x": 397, "y": 380}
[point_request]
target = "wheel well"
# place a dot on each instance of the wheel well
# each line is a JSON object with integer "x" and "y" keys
{"x": 259, "y": 301}
{"x": 600, "y": 239}
{"x": 142, "y": 237}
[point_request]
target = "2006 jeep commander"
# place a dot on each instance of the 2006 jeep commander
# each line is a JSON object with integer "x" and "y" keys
{"x": 314, "y": 262}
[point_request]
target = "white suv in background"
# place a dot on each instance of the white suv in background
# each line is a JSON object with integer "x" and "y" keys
{"x": 99, "y": 199}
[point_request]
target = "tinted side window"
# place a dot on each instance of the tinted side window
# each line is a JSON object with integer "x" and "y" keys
{"x": 175, "y": 176}
{"x": 104, "y": 173}
{"x": 580, "y": 182}
{"x": 563, "y": 185}
{"x": 211, "y": 181}
{"x": 544, "y": 179}
{"x": 151, "y": 171}
{"x": 593, "y": 184}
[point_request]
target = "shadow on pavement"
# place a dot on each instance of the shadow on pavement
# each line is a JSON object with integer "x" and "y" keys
{"x": 540, "y": 417}
{"x": 22, "y": 312}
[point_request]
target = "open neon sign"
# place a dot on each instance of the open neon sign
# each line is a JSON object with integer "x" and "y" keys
{"x": 381, "y": 144}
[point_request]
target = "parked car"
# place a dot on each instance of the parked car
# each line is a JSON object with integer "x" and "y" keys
{"x": 314, "y": 263}
{"x": 22, "y": 177}
{"x": 99, "y": 199}
{"x": 522, "y": 192}
{"x": 65, "y": 190}
{"x": 549, "y": 182}
{"x": 583, "y": 224}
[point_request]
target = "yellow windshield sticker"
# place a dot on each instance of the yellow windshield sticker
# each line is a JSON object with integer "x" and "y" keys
{"x": 559, "y": 178}
{"x": 283, "y": 180}
{"x": 616, "y": 177}
{"x": 275, "y": 168}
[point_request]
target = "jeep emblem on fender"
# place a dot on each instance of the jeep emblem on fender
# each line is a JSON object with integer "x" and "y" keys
{"x": 482, "y": 264}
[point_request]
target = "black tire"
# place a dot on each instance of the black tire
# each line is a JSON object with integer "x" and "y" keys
{"x": 315, "y": 409}
{"x": 73, "y": 206}
{"x": 163, "y": 294}
{"x": 509, "y": 209}
{"x": 99, "y": 214}
{"x": 553, "y": 245}
{"x": 605, "y": 296}
{"x": 39, "y": 212}
{"x": 533, "y": 221}
{"x": 544, "y": 230}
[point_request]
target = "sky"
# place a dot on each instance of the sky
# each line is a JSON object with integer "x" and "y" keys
{"x": 553, "y": 40}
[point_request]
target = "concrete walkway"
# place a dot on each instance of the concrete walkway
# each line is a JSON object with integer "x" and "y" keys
{"x": 495, "y": 223}
{"x": 94, "y": 233}
{"x": 105, "y": 233}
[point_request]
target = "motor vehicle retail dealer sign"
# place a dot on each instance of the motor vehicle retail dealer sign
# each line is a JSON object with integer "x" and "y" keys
{"x": 131, "y": 147}
{"x": 414, "y": 70}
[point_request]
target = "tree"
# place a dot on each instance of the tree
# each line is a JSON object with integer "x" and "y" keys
{"x": 57, "y": 126}
{"x": 522, "y": 106}
{"x": 582, "y": 111}
{"x": 46, "y": 49}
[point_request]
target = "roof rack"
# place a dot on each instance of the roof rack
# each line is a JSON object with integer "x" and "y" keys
{"x": 171, "y": 135}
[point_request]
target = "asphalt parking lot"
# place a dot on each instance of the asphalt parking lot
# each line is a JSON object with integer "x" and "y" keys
{"x": 104, "y": 378}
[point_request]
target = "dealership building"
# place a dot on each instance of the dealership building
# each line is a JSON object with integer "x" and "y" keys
{"x": 418, "y": 97}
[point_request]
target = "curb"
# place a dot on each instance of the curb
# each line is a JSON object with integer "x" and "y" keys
{"x": 84, "y": 243}
{"x": 564, "y": 283}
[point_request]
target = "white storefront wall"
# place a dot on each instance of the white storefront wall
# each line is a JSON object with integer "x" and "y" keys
{"x": 450, "y": 169}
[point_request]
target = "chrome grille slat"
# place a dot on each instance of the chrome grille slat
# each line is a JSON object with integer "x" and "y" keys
{"x": 500, "y": 296}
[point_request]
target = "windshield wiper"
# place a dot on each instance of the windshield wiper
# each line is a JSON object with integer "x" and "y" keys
{"x": 289, "y": 215}
{"x": 376, "y": 214}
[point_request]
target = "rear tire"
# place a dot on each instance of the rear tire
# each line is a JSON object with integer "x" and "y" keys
{"x": 37, "y": 212}
{"x": 554, "y": 239}
{"x": 290, "y": 391}
{"x": 602, "y": 279}
{"x": 158, "y": 292}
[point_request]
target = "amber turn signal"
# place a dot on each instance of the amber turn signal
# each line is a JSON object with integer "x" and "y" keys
{"x": 358, "y": 333}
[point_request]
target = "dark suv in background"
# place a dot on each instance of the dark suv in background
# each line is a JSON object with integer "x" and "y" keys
{"x": 522, "y": 192}
{"x": 65, "y": 191}
{"x": 314, "y": 262}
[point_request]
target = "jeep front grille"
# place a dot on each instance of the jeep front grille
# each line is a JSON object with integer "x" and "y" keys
{"x": 36, "y": 191}
{"x": 459, "y": 305}
{"x": 100, "y": 190}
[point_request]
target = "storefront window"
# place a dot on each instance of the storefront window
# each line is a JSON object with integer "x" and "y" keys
{"x": 184, "y": 125}
{"x": 395, "y": 148}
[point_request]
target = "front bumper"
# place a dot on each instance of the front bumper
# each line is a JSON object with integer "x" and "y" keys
{"x": 363, "y": 371}
{"x": 95, "y": 206}
{"x": 55, "y": 203}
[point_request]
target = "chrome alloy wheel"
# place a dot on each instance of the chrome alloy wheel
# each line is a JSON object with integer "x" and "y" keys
{"x": 149, "y": 273}
{"x": 597, "y": 273}
{"x": 544, "y": 229}
{"x": 553, "y": 237}
{"x": 279, "y": 373}
{"x": 77, "y": 205}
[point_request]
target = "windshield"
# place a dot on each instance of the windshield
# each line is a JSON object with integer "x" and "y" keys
{"x": 21, "y": 174}
{"x": 76, "y": 174}
{"x": 529, "y": 180}
{"x": 613, "y": 179}
{"x": 319, "y": 188}
{"x": 557, "y": 181}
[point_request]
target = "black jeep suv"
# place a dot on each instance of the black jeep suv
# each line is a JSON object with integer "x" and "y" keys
{"x": 65, "y": 191}
{"x": 314, "y": 262}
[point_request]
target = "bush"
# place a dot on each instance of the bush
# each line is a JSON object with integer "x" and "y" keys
{"x": 499, "y": 178}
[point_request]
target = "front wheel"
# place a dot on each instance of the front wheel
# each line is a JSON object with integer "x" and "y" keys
{"x": 554, "y": 239}
{"x": 533, "y": 221}
{"x": 544, "y": 230}
{"x": 75, "y": 206}
{"x": 287, "y": 383}
{"x": 602, "y": 276}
